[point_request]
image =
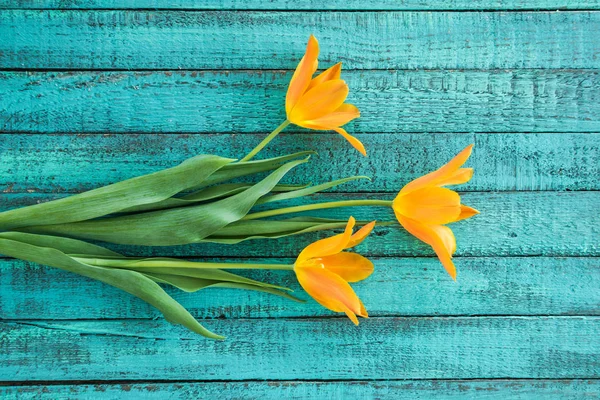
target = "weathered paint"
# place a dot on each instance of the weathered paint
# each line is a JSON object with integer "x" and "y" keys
{"x": 399, "y": 286}
{"x": 274, "y": 40}
{"x": 324, "y": 348}
{"x": 522, "y": 86}
{"x": 510, "y": 224}
{"x": 406, "y": 389}
{"x": 253, "y": 101}
{"x": 502, "y": 162}
{"x": 308, "y": 5}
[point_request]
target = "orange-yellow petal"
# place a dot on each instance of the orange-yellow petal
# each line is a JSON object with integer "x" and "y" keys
{"x": 361, "y": 234}
{"x": 439, "y": 176}
{"x": 462, "y": 175}
{"x": 341, "y": 116}
{"x": 331, "y": 291}
{"x": 466, "y": 212}
{"x": 432, "y": 238}
{"x": 447, "y": 237}
{"x": 429, "y": 205}
{"x": 303, "y": 74}
{"x": 328, "y": 246}
{"x": 319, "y": 101}
{"x": 353, "y": 141}
{"x": 329, "y": 74}
{"x": 351, "y": 267}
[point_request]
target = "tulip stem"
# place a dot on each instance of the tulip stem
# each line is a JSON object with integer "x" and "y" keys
{"x": 266, "y": 141}
{"x": 133, "y": 263}
{"x": 318, "y": 206}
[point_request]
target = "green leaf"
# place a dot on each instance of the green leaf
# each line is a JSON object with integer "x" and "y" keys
{"x": 272, "y": 229}
{"x": 212, "y": 274}
{"x": 132, "y": 282}
{"x": 240, "y": 169}
{"x": 307, "y": 190}
{"x": 209, "y": 193}
{"x": 110, "y": 199}
{"x": 173, "y": 226}
{"x": 189, "y": 284}
{"x": 65, "y": 245}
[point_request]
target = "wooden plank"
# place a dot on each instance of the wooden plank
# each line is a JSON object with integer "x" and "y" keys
{"x": 510, "y": 224}
{"x": 308, "y": 5}
{"x": 253, "y": 101}
{"x": 73, "y": 163}
{"x": 486, "y": 286}
{"x": 407, "y": 389}
{"x": 382, "y": 348}
{"x": 276, "y": 40}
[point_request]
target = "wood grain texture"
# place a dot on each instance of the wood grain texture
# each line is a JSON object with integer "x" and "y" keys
{"x": 382, "y": 348}
{"x": 276, "y": 40}
{"x": 502, "y": 162}
{"x": 510, "y": 224}
{"x": 308, "y": 5}
{"x": 253, "y": 101}
{"x": 486, "y": 286}
{"x": 302, "y": 390}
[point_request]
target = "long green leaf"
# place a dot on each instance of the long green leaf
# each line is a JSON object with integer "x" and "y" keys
{"x": 272, "y": 229}
{"x": 173, "y": 226}
{"x": 189, "y": 284}
{"x": 209, "y": 193}
{"x": 110, "y": 199}
{"x": 65, "y": 245}
{"x": 240, "y": 169}
{"x": 132, "y": 282}
{"x": 307, "y": 190}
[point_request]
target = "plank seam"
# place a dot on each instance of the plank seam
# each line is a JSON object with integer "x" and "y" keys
{"x": 314, "y": 10}
{"x": 279, "y": 70}
{"x": 167, "y": 381}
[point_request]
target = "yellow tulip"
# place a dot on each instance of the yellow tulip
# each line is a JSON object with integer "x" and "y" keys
{"x": 318, "y": 103}
{"x": 423, "y": 207}
{"x": 324, "y": 270}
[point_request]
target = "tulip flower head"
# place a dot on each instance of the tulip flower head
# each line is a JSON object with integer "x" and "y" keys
{"x": 318, "y": 103}
{"x": 324, "y": 270}
{"x": 423, "y": 207}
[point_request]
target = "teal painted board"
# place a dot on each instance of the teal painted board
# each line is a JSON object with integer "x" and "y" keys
{"x": 276, "y": 40}
{"x": 308, "y": 5}
{"x": 510, "y": 224}
{"x": 503, "y": 162}
{"x": 322, "y": 348}
{"x": 574, "y": 389}
{"x": 521, "y": 322}
{"x": 399, "y": 286}
{"x": 253, "y": 101}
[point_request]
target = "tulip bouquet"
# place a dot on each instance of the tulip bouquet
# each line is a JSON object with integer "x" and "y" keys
{"x": 203, "y": 200}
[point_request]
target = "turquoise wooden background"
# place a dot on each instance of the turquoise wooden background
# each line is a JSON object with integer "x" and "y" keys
{"x": 93, "y": 91}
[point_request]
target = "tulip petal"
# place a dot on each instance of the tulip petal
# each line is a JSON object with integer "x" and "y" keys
{"x": 331, "y": 291}
{"x": 430, "y": 236}
{"x": 329, "y": 74}
{"x": 302, "y": 76}
{"x": 353, "y": 141}
{"x": 439, "y": 176}
{"x": 462, "y": 175}
{"x": 429, "y": 205}
{"x": 328, "y": 246}
{"x": 361, "y": 234}
{"x": 466, "y": 212}
{"x": 351, "y": 267}
{"x": 319, "y": 101}
{"x": 447, "y": 237}
{"x": 341, "y": 116}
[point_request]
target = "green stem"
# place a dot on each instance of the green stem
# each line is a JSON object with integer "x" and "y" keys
{"x": 266, "y": 141}
{"x": 172, "y": 263}
{"x": 318, "y": 206}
